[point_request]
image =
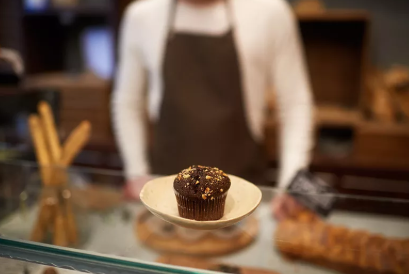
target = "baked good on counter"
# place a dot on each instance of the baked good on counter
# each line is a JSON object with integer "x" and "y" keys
{"x": 167, "y": 238}
{"x": 201, "y": 193}
{"x": 346, "y": 250}
{"x": 56, "y": 213}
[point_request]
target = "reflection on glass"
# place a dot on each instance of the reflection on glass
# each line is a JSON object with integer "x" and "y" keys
{"x": 356, "y": 236}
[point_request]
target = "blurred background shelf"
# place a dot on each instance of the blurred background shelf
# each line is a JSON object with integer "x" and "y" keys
{"x": 337, "y": 116}
{"x": 81, "y": 11}
{"x": 83, "y": 97}
{"x": 338, "y": 50}
{"x": 334, "y": 16}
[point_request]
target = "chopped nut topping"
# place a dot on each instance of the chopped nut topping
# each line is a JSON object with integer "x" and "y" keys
{"x": 187, "y": 183}
{"x": 204, "y": 197}
{"x": 207, "y": 190}
{"x": 197, "y": 182}
{"x": 212, "y": 198}
{"x": 208, "y": 177}
{"x": 221, "y": 190}
{"x": 186, "y": 176}
{"x": 224, "y": 174}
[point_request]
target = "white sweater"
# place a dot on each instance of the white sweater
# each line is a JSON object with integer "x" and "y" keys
{"x": 270, "y": 55}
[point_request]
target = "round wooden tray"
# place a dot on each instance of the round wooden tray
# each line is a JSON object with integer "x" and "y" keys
{"x": 168, "y": 238}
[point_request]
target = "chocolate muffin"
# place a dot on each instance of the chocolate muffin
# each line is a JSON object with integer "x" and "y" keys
{"x": 201, "y": 193}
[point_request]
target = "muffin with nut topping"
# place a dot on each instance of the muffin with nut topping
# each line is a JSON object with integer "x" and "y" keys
{"x": 201, "y": 193}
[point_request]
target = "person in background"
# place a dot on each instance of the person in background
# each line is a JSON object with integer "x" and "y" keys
{"x": 206, "y": 66}
{"x": 11, "y": 66}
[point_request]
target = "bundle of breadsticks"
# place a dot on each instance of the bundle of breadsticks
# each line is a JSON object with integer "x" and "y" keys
{"x": 346, "y": 250}
{"x": 55, "y": 210}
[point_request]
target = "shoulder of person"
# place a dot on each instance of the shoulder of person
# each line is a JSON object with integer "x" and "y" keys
{"x": 274, "y": 9}
{"x": 145, "y": 8}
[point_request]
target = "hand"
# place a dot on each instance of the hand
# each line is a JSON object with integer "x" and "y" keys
{"x": 285, "y": 206}
{"x": 134, "y": 186}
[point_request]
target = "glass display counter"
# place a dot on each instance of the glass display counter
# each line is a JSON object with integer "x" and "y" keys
{"x": 116, "y": 235}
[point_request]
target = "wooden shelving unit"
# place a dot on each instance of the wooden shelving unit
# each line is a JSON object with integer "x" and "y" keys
{"x": 82, "y": 96}
{"x": 334, "y": 15}
{"x": 337, "y": 50}
{"x": 87, "y": 11}
{"x": 54, "y": 61}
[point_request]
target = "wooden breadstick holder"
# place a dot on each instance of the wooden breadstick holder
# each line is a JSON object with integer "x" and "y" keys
{"x": 55, "y": 206}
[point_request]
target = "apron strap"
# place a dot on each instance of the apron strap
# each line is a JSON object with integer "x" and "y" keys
{"x": 172, "y": 16}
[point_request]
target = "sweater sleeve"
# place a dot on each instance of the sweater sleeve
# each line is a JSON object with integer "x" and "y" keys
{"x": 293, "y": 92}
{"x": 128, "y": 101}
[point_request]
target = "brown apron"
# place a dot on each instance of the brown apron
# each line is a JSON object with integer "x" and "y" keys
{"x": 202, "y": 117}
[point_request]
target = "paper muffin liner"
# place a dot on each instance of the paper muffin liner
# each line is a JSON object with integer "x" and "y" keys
{"x": 199, "y": 209}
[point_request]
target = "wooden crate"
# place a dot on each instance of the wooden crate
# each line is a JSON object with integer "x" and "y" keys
{"x": 336, "y": 49}
{"x": 83, "y": 97}
{"x": 382, "y": 146}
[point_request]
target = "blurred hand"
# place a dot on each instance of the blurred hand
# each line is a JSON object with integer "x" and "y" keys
{"x": 134, "y": 186}
{"x": 285, "y": 206}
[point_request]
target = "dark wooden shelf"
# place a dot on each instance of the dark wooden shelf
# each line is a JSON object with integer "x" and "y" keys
{"x": 9, "y": 90}
{"x": 329, "y": 115}
{"x": 335, "y": 16}
{"x": 376, "y": 146}
{"x": 81, "y": 11}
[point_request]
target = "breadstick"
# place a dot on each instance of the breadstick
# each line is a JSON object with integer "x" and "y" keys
{"x": 41, "y": 148}
{"x": 51, "y": 136}
{"x": 45, "y": 216}
{"x": 75, "y": 142}
{"x": 72, "y": 147}
{"x": 38, "y": 233}
{"x": 43, "y": 158}
{"x": 50, "y": 131}
{"x": 71, "y": 224}
{"x": 60, "y": 223}
{"x": 67, "y": 213}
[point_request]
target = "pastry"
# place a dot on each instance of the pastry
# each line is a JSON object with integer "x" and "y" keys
{"x": 346, "y": 250}
{"x": 201, "y": 193}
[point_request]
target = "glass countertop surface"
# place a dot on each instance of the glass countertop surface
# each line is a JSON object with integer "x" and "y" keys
{"x": 118, "y": 235}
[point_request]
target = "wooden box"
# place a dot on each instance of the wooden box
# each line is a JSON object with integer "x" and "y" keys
{"x": 336, "y": 50}
{"x": 83, "y": 97}
{"x": 382, "y": 146}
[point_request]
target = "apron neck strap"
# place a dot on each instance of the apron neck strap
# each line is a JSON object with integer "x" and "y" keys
{"x": 172, "y": 15}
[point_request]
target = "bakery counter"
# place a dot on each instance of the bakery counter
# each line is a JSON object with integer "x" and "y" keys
{"x": 115, "y": 235}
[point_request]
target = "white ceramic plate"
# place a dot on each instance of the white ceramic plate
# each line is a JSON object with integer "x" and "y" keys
{"x": 243, "y": 198}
